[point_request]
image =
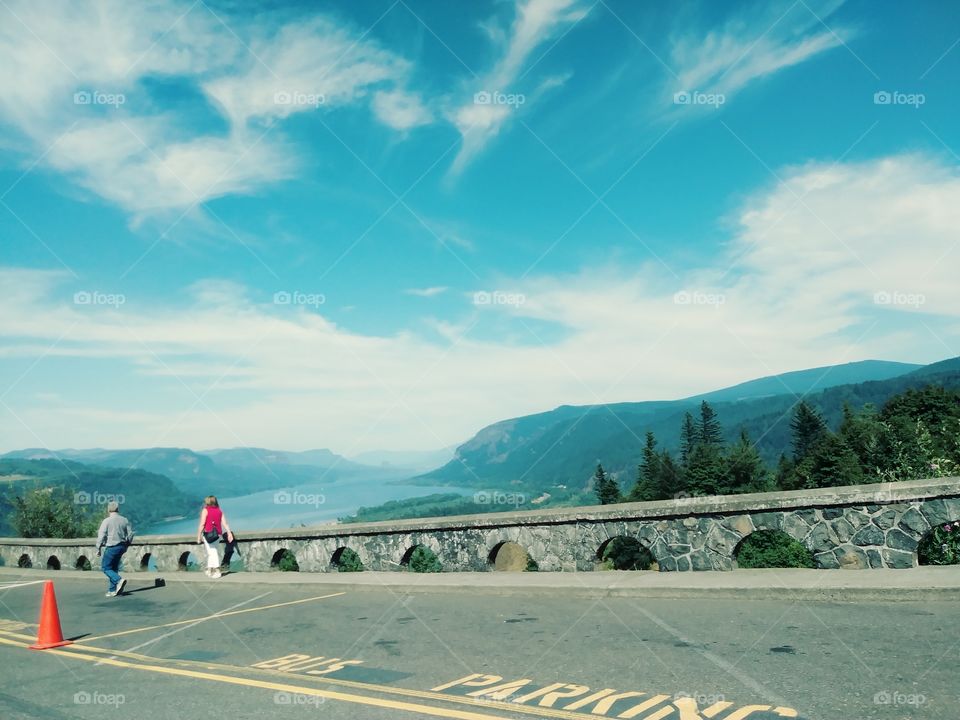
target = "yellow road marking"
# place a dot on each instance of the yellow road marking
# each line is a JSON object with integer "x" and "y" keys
{"x": 386, "y": 689}
{"x": 280, "y": 687}
{"x": 210, "y": 617}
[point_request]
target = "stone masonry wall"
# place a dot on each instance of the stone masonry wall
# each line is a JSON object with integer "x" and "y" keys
{"x": 865, "y": 527}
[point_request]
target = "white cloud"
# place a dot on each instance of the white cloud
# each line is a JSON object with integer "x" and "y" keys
{"x": 427, "y": 292}
{"x": 502, "y": 91}
{"x": 796, "y": 288}
{"x": 145, "y": 159}
{"x": 725, "y": 60}
{"x": 400, "y": 110}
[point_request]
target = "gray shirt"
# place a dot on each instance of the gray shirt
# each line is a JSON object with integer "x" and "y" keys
{"x": 114, "y": 530}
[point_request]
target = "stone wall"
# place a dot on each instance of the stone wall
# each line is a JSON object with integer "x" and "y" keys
{"x": 866, "y": 526}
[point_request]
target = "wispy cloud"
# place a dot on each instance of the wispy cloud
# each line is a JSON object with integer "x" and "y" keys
{"x": 723, "y": 61}
{"x": 427, "y": 292}
{"x": 812, "y": 276}
{"x": 73, "y": 86}
{"x": 502, "y": 91}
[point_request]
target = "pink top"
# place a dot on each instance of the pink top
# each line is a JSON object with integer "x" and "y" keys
{"x": 214, "y": 516}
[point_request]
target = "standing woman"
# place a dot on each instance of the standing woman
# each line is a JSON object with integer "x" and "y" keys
{"x": 213, "y": 524}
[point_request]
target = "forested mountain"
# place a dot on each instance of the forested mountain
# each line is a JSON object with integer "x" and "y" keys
{"x": 563, "y": 446}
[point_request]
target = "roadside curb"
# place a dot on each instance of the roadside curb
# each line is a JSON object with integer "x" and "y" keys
{"x": 821, "y": 586}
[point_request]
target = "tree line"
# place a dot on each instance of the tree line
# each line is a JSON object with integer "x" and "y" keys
{"x": 915, "y": 434}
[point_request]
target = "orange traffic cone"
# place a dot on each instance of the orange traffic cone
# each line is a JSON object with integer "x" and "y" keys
{"x": 50, "y": 635}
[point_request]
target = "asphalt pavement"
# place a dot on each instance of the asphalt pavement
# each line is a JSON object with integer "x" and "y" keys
{"x": 289, "y": 650}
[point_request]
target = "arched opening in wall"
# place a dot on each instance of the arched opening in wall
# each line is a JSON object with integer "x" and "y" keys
{"x": 187, "y": 562}
{"x": 420, "y": 558}
{"x": 940, "y": 546}
{"x": 346, "y": 560}
{"x": 624, "y": 553}
{"x": 53, "y": 563}
{"x": 83, "y": 563}
{"x": 148, "y": 563}
{"x": 508, "y": 556}
{"x": 284, "y": 561}
{"x": 24, "y": 561}
{"x": 772, "y": 549}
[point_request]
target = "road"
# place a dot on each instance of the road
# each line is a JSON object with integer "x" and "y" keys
{"x": 191, "y": 650}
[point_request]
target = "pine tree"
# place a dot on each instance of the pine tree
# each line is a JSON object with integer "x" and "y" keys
{"x": 832, "y": 463}
{"x": 608, "y": 492}
{"x": 647, "y": 472}
{"x": 705, "y": 470}
{"x": 688, "y": 439}
{"x": 786, "y": 477}
{"x": 808, "y": 427}
{"x": 709, "y": 431}
{"x": 671, "y": 481}
{"x": 744, "y": 469}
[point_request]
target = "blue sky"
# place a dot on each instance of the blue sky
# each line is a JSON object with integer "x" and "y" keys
{"x": 387, "y": 224}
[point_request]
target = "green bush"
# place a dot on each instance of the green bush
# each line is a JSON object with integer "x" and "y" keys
{"x": 349, "y": 561}
{"x": 623, "y": 553}
{"x": 288, "y": 563}
{"x": 773, "y": 549}
{"x": 532, "y": 565}
{"x": 424, "y": 560}
{"x": 941, "y": 546}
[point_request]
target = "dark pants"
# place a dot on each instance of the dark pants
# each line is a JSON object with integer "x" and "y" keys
{"x": 111, "y": 563}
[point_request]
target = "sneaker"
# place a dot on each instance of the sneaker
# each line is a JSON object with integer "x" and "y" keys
{"x": 216, "y": 574}
{"x": 120, "y": 586}
{"x": 111, "y": 594}
{"x": 208, "y": 572}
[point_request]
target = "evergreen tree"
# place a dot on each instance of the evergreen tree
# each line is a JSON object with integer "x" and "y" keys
{"x": 648, "y": 472}
{"x": 671, "y": 482}
{"x": 608, "y": 492}
{"x": 709, "y": 431}
{"x": 786, "y": 475}
{"x": 831, "y": 463}
{"x": 688, "y": 439}
{"x": 704, "y": 471}
{"x": 744, "y": 469}
{"x": 808, "y": 427}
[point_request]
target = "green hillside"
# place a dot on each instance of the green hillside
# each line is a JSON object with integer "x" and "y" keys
{"x": 562, "y": 447}
{"x": 146, "y": 497}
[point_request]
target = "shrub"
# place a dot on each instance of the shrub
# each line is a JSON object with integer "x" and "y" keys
{"x": 532, "y": 565}
{"x": 424, "y": 560}
{"x": 623, "y": 553}
{"x": 349, "y": 561}
{"x": 941, "y": 546}
{"x": 288, "y": 562}
{"x": 773, "y": 549}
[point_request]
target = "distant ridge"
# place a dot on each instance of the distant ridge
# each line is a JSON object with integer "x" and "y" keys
{"x": 562, "y": 446}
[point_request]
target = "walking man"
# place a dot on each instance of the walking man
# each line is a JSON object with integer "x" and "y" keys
{"x": 116, "y": 534}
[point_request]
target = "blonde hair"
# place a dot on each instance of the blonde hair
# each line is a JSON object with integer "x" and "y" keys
{"x": 211, "y": 501}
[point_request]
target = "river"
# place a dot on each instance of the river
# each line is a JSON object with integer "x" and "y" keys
{"x": 311, "y": 504}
